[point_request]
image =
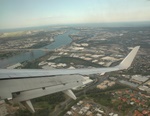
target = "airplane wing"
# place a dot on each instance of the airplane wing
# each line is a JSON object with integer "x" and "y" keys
{"x": 25, "y": 84}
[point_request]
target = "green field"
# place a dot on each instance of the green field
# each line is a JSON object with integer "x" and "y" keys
{"x": 75, "y": 61}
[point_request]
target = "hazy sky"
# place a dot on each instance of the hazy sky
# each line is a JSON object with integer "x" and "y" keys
{"x": 25, "y": 13}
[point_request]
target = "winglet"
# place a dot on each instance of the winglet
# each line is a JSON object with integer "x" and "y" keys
{"x": 126, "y": 63}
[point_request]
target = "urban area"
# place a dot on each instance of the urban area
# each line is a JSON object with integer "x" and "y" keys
{"x": 120, "y": 93}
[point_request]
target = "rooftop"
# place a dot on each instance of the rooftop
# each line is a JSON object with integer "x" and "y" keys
{"x": 140, "y": 78}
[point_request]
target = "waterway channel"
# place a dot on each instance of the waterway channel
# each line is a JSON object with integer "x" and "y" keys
{"x": 60, "y": 40}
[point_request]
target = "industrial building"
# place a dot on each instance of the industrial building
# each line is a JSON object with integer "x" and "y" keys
{"x": 138, "y": 79}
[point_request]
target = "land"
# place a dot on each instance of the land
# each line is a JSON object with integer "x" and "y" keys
{"x": 16, "y": 42}
{"x": 123, "y": 93}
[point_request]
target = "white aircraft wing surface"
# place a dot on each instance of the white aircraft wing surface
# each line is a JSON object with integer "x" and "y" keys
{"x": 28, "y": 73}
{"x": 25, "y": 84}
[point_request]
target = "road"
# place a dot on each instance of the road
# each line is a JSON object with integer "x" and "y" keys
{"x": 64, "y": 105}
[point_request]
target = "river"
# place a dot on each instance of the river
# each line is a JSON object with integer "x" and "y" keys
{"x": 60, "y": 40}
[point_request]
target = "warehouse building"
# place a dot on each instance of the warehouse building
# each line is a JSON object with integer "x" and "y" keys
{"x": 138, "y": 79}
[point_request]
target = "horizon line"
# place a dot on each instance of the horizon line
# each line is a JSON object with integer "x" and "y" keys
{"x": 69, "y": 24}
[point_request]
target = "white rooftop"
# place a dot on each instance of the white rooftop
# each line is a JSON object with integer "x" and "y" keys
{"x": 14, "y": 66}
{"x": 140, "y": 78}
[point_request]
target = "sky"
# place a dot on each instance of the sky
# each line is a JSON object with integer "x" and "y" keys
{"x": 29, "y": 13}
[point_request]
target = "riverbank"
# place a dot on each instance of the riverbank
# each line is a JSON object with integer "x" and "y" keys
{"x": 60, "y": 40}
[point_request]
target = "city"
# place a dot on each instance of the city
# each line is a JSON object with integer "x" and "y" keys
{"x": 118, "y": 93}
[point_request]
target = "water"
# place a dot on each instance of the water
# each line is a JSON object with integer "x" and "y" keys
{"x": 60, "y": 40}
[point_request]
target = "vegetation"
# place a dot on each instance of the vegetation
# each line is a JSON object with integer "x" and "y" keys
{"x": 39, "y": 45}
{"x": 43, "y": 105}
{"x": 31, "y": 64}
{"x": 8, "y": 54}
{"x": 76, "y": 61}
{"x": 113, "y": 88}
{"x": 105, "y": 98}
{"x": 102, "y": 98}
{"x": 50, "y": 99}
{"x": 41, "y": 112}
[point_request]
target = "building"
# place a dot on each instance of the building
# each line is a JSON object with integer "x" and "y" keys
{"x": 106, "y": 84}
{"x": 144, "y": 88}
{"x": 148, "y": 83}
{"x": 18, "y": 65}
{"x": 138, "y": 79}
{"x": 89, "y": 113}
{"x": 42, "y": 63}
{"x": 128, "y": 83}
{"x": 69, "y": 113}
{"x": 98, "y": 114}
{"x": 126, "y": 76}
{"x": 113, "y": 78}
